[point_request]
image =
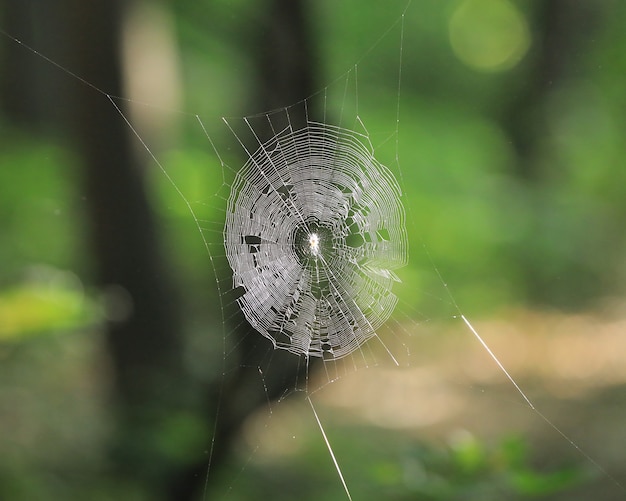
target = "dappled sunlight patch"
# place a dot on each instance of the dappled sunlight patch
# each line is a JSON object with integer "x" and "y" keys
{"x": 566, "y": 356}
{"x": 397, "y": 398}
{"x": 451, "y": 379}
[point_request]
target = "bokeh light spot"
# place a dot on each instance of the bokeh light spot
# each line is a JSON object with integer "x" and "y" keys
{"x": 488, "y": 35}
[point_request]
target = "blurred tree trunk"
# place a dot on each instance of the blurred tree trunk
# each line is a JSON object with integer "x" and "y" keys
{"x": 285, "y": 58}
{"x": 15, "y": 90}
{"x": 29, "y": 85}
{"x": 561, "y": 31}
{"x": 143, "y": 330}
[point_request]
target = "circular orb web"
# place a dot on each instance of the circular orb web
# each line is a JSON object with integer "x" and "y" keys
{"x": 314, "y": 229}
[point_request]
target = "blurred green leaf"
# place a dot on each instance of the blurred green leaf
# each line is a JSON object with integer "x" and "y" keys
{"x": 44, "y": 306}
{"x": 531, "y": 483}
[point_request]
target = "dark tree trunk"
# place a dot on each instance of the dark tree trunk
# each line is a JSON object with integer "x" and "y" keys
{"x": 285, "y": 56}
{"x": 561, "y": 29}
{"x": 29, "y": 87}
{"x": 143, "y": 329}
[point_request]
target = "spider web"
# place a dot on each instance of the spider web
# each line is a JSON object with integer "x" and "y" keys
{"x": 314, "y": 228}
{"x": 269, "y": 198}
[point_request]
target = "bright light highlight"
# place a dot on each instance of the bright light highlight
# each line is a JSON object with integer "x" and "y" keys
{"x": 314, "y": 244}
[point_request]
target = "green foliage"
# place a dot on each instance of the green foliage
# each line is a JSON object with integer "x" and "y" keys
{"x": 51, "y": 301}
{"x": 471, "y": 470}
{"x": 391, "y": 466}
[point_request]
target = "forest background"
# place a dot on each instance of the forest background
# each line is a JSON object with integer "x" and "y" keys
{"x": 512, "y": 156}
